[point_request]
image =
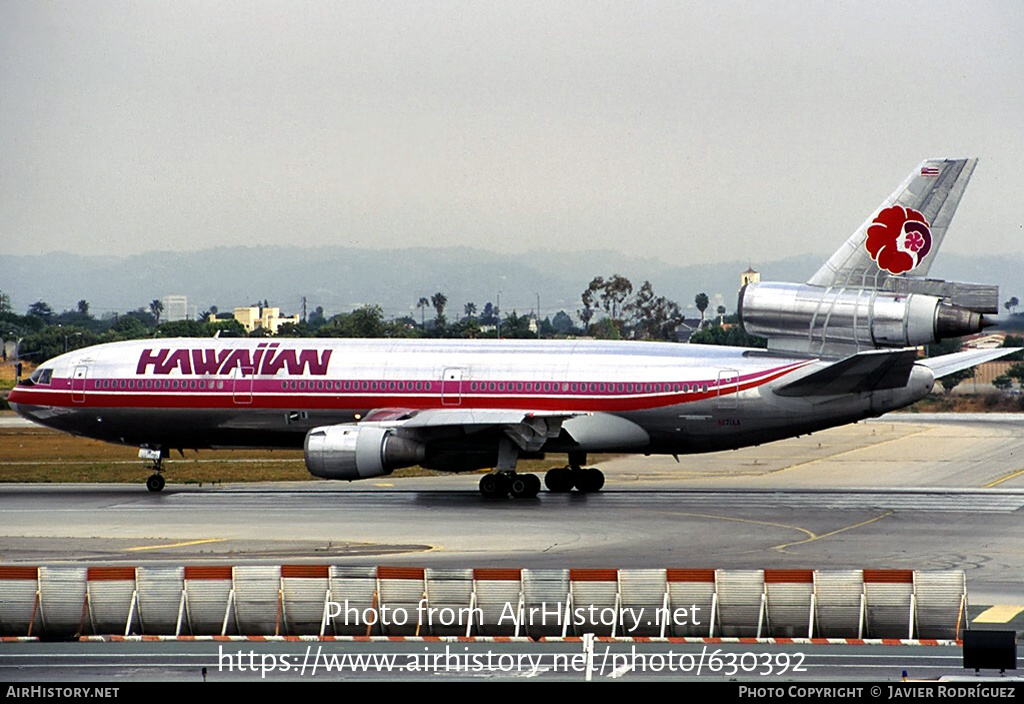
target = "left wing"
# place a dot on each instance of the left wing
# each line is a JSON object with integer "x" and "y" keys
{"x": 529, "y": 430}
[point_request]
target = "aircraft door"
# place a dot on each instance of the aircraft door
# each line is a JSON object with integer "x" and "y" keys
{"x": 241, "y": 385}
{"x": 451, "y": 387}
{"x": 78, "y": 380}
{"x": 728, "y": 388}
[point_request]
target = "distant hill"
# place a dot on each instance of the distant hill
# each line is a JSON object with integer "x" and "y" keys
{"x": 340, "y": 279}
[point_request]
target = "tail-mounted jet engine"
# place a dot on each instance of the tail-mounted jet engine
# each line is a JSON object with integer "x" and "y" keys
{"x": 819, "y": 320}
{"x": 350, "y": 451}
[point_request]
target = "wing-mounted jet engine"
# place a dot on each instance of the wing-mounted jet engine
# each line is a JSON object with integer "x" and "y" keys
{"x": 350, "y": 451}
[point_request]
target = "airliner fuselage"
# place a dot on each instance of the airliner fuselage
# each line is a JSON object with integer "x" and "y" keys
{"x": 614, "y": 396}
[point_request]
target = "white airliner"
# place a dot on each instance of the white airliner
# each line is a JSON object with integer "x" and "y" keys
{"x": 841, "y": 347}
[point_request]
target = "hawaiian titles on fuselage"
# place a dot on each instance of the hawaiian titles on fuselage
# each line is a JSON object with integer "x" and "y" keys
{"x": 265, "y": 359}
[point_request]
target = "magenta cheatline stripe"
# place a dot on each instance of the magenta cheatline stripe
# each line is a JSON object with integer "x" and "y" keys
{"x": 336, "y": 394}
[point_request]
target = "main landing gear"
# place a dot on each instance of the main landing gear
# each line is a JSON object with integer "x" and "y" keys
{"x": 504, "y": 480}
{"x": 585, "y": 480}
{"x": 498, "y": 485}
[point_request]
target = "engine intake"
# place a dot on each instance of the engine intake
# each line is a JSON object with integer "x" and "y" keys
{"x": 349, "y": 451}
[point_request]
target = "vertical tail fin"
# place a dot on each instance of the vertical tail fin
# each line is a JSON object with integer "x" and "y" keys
{"x": 903, "y": 236}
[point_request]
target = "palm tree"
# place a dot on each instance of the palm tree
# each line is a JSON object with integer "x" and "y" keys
{"x": 156, "y": 307}
{"x": 701, "y": 301}
{"x": 439, "y": 301}
{"x": 423, "y": 304}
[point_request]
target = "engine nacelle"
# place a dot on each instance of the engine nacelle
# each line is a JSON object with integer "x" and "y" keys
{"x": 801, "y": 317}
{"x": 350, "y": 451}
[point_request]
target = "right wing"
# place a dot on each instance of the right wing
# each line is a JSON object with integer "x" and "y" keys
{"x": 949, "y": 363}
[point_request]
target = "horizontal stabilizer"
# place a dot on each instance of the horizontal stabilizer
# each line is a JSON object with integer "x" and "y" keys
{"x": 866, "y": 371}
{"x": 950, "y": 363}
{"x": 980, "y": 298}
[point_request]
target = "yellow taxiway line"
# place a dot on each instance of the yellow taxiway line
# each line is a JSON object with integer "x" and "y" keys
{"x": 176, "y": 545}
{"x": 782, "y": 548}
{"x": 998, "y": 614}
{"x": 1007, "y": 478}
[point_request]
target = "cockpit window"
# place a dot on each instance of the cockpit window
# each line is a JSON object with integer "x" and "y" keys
{"x": 41, "y": 376}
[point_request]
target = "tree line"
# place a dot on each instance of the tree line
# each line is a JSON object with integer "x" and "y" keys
{"x": 610, "y": 309}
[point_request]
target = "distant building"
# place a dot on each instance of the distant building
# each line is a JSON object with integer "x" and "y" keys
{"x": 252, "y": 317}
{"x": 984, "y": 341}
{"x": 749, "y": 277}
{"x": 688, "y": 327}
{"x": 175, "y": 308}
{"x": 984, "y": 374}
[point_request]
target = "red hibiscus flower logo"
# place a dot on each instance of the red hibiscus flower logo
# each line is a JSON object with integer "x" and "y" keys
{"x": 898, "y": 239}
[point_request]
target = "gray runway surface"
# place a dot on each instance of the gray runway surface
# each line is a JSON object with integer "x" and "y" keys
{"x": 311, "y": 662}
{"x": 979, "y": 531}
{"x": 888, "y": 493}
{"x": 902, "y": 492}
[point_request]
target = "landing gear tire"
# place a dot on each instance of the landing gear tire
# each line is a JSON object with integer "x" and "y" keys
{"x": 559, "y": 480}
{"x": 588, "y": 481}
{"x": 494, "y": 486}
{"x": 525, "y": 486}
{"x": 155, "y": 483}
{"x": 534, "y": 484}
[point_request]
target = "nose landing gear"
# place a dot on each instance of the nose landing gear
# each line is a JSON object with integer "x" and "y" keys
{"x": 155, "y": 482}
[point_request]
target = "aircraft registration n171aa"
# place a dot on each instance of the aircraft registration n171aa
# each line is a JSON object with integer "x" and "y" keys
{"x": 841, "y": 347}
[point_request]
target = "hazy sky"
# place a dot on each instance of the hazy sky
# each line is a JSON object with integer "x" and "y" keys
{"x": 693, "y": 131}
